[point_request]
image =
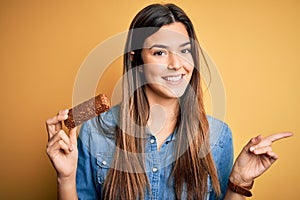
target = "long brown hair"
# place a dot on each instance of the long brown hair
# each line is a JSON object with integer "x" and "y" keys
{"x": 127, "y": 177}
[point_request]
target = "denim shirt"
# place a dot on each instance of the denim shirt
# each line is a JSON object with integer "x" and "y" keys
{"x": 96, "y": 146}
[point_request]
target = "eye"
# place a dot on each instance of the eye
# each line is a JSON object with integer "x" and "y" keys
{"x": 186, "y": 51}
{"x": 160, "y": 53}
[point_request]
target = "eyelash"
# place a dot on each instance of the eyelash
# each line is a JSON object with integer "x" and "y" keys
{"x": 161, "y": 52}
{"x": 186, "y": 51}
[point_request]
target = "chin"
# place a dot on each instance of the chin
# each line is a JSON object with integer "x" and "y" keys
{"x": 176, "y": 93}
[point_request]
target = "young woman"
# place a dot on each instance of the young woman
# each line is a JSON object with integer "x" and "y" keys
{"x": 158, "y": 143}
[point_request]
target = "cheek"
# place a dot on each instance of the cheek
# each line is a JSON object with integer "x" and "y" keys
{"x": 151, "y": 72}
{"x": 190, "y": 74}
{"x": 189, "y": 65}
{"x": 190, "y": 69}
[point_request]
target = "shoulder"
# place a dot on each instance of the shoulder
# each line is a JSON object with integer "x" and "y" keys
{"x": 220, "y": 133}
{"x": 221, "y": 146}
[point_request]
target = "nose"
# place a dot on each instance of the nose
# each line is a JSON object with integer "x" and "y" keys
{"x": 175, "y": 62}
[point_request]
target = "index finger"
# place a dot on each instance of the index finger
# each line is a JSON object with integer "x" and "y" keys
{"x": 278, "y": 136}
{"x": 61, "y": 115}
{"x": 54, "y": 124}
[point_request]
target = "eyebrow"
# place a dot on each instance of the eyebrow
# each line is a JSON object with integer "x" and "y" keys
{"x": 165, "y": 46}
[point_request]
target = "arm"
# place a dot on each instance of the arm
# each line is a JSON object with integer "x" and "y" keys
{"x": 66, "y": 188}
{"x": 255, "y": 158}
{"x": 223, "y": 157}
{"x": 62, "y": 151}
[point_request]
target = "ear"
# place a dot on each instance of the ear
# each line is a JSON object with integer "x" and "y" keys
{"x": 131, "y": 55}
{"x": 140, "y": 68}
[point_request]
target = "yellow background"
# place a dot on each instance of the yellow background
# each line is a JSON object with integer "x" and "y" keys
{"x": 255, "y": 45}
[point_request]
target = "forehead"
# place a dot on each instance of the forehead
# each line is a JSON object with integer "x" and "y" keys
{"x": 171, "y": 35}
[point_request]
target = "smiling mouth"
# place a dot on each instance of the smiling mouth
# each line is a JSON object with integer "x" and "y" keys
{"x": 173, "y": 78}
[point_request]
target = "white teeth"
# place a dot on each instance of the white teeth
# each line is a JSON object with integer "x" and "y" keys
{"x": 173, "y": 78}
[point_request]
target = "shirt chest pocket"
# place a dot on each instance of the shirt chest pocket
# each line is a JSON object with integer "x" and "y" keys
{"x": 104, "y": 161}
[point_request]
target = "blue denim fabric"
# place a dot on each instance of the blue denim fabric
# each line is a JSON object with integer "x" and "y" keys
{"x": 96, "y": 146}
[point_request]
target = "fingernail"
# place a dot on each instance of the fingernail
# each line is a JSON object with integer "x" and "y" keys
{"x": 252, "y": 149}
{"x": 66, "y": 111}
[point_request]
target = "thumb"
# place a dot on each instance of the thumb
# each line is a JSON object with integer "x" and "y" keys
{"x": 252, "y": 142}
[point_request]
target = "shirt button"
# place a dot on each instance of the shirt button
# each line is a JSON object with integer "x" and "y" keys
{"x": 154, "y": 169}
{"x": 104, "y": 162}
{"x": 152, "y": 141}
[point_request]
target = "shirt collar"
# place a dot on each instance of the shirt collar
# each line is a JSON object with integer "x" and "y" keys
{"x": 170, "y": 138}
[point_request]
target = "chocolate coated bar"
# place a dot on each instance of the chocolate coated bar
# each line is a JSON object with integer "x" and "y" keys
{"x": 87, "y": 110}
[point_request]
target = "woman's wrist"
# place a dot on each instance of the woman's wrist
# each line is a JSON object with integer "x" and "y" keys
{"x": 240, "y": 185}
{"x": 66, "y": 187}
{"x": 239, "y": 190}
{"x": 66, "y": 180}
{"x": 237, "y": 179}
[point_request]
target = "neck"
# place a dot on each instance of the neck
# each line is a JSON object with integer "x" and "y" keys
{"x": 168, "y": 103}
{"x": 162, "y": 106}
{"x": 163, "y": 116}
